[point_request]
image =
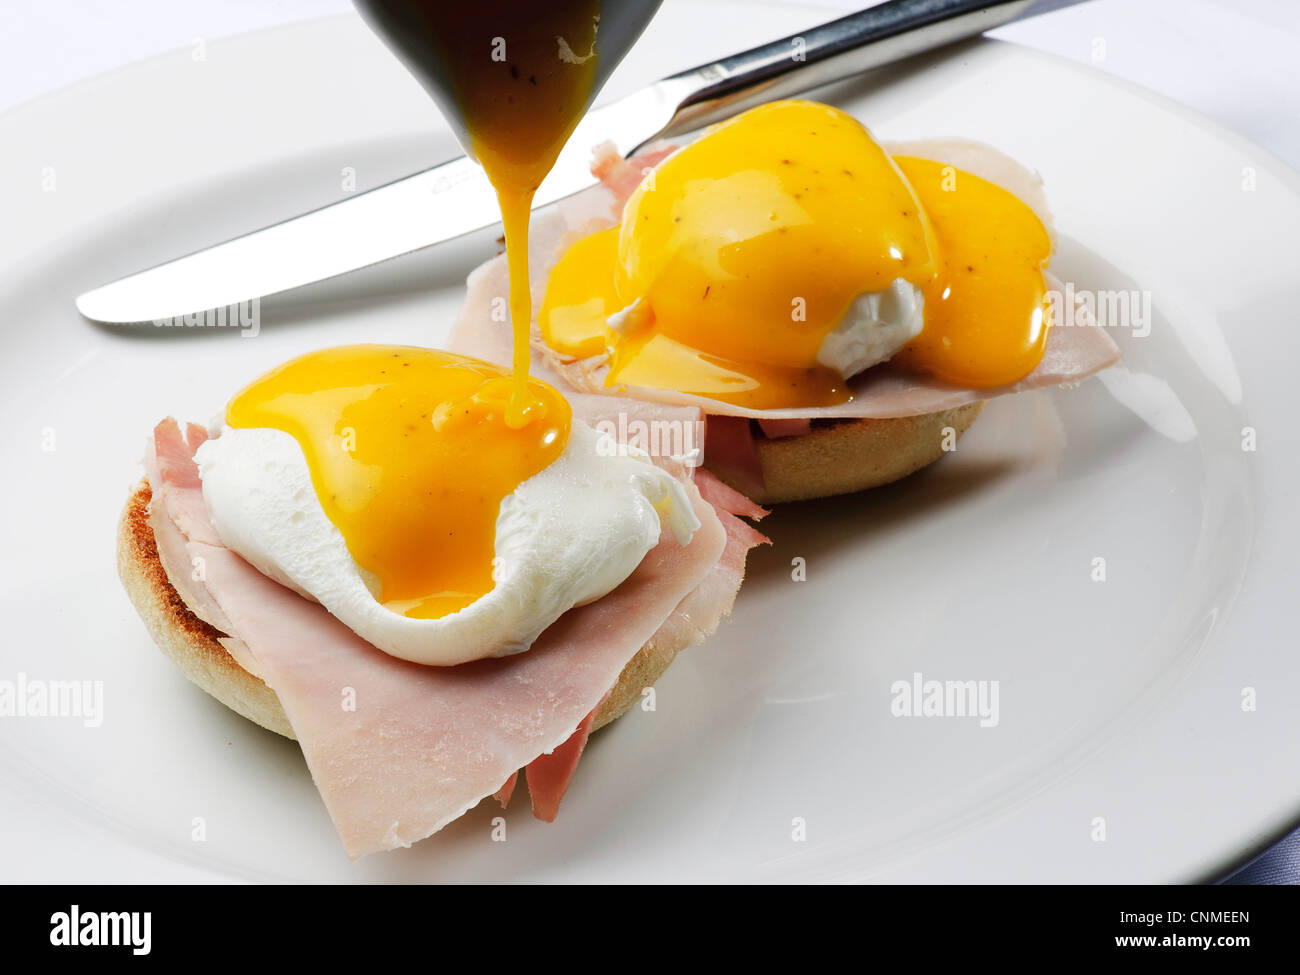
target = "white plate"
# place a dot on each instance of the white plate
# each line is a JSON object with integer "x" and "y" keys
{"x": 1119, "y": 700}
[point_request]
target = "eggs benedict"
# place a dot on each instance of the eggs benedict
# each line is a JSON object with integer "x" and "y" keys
{"x": 367, "y": 553}
{"x": 706, "y": 279}
{"x": 422, "y": 565}
{"x": 838, "y": 307}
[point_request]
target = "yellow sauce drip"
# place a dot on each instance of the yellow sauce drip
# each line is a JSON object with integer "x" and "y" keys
{"x": 521, "y": 75}
{"x": 582, "y": 294}
{"x": 411, "y": 454}
{"x": 987, "y": 313}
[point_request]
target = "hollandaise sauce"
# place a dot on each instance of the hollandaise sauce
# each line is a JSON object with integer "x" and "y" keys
{"x": 411, "y": 451}
{"x": 742, "y": 252}
{"x": 987, "y": 312}
{"x": 411, "y": 454}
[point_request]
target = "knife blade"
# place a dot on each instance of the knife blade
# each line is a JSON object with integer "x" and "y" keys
{"x": 454, "y": 198}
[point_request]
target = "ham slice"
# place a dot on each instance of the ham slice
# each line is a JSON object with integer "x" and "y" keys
{"x": 1073, "y": 353}
{"x": 728, "y": 500}
{"x": 503, "y": 794}
{"x": 775, "y": 429}
{"x": 622, "y": 176}
{"x": 398, "y": 750}
{"x": 699, "y": 613}
{"x": 695, "y": 618}
{"x": 173, "y": 505}
{"x": 549, "y": 775}
{"x": 177, "y": 478}
{"x": 732, "y": 447}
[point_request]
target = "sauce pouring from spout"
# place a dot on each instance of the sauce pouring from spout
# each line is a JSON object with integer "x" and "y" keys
{"x": 514, "y": 80}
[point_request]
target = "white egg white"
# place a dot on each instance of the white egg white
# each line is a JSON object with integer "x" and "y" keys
{"x": 565, "y": 537}
{"x": 876, "y": 325}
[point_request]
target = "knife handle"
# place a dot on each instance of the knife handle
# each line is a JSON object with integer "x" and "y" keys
{"x": 830, "y": 52}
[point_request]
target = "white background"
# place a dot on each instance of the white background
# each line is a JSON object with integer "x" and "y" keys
{"x": 1237, "y": 61}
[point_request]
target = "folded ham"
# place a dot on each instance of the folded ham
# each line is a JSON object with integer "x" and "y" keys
{"x": 1073, "y": 353}
{"x": 399, "y": 750}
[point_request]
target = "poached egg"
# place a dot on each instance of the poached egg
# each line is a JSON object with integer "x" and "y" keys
{"x": 786, "y": 251}
{"x": 388, "y": 484}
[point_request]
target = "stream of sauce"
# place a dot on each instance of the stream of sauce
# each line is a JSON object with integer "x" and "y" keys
{"x": 519, "y": 76}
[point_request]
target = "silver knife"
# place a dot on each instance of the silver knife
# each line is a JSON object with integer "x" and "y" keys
{"x": 454, "y": 198}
